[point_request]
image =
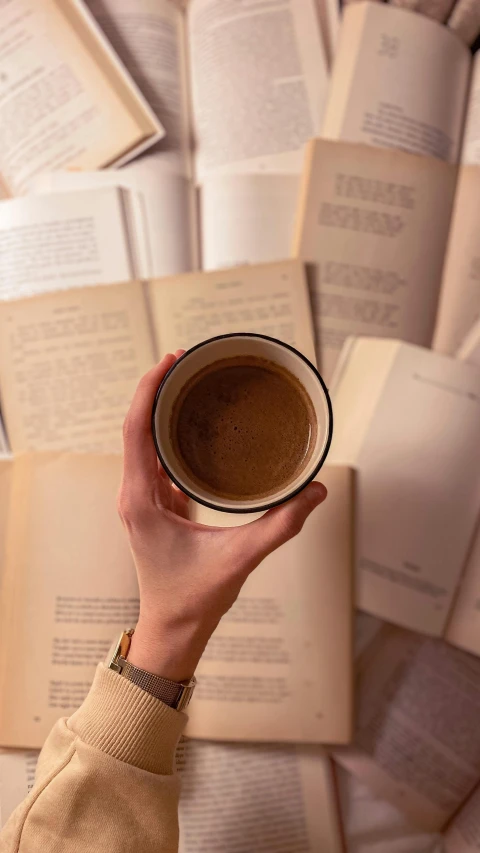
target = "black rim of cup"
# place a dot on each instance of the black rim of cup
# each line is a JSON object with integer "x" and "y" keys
{"x": 270, "y": 504}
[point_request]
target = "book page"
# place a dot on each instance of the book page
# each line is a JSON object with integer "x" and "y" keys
{"x": 417, "y": 742}
{"x": 471, "y": 138}
{"x": 66, "y": 102}
{"x": 70, "y": 587}
{"x": 239, "y": 797}
{"x": 63, "y": 240}
{"x": 375, "y": 96}
{"x": 148, "y": 36}
{"x": 6, "y": 467}
{"x": 17, "y": 776}
{"x": 247, "y": 219}
{"x": 459, "y": 305}
{"x": 69, "y": 365}
{"x": 408, "y": 420}
{"x": 4, "y": 446}
{"x": 372, "y": 226}
{"x": 469, "y": 350}
{"x": 161, "y": 211}
{"x": 270, "y": 299}
{"x": 259, "y": 82}
{"x": 463, "y": 834}
{"x": 463, "y": 628}
{"x": 279, "y": 665}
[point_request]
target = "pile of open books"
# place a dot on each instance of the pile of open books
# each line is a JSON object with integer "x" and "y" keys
{"x": 338, "y": 212}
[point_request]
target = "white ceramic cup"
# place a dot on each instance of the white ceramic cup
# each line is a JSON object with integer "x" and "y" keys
{"x": 230, "y": 346}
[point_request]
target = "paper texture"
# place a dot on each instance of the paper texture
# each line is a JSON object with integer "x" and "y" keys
{"x": 17, "y": 775}
{"x": 471, "y": 138}
{"x": 161, "y": 212}
{"x": 258, "y": 81}
{"x": 469, "y": 350}
{"x": 463, "y": 628}
{"x": 69, "y": 365}
{"x": 270, "y": 299}
{"x": 463, "y": 836}
{"x": 375, "y": 96}
{"x": 372, "y": 227}
{"x": 279, "y": 665}
{"x": 408, "y": 420}
{"x": 409, "y": 747}
{"x": 6, "y": 467}
{"x": 247, "y": 219}
{"x": 53, "y": 58}
{"x": 63, "y": 240}
{"x": 148, "y": 36}
{"x": 465, "y": 20}
{"x": 221, "y": 783}
{"x": 459, "y": 306}
{"x": 70, "y": 586}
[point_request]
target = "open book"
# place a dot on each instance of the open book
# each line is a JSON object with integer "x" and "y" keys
{"x": 372, "y": 226}
{"x": 216, "y": 775}
{"x": 408, "y": 419}
{"x": 401, "y": 80}
{"x": 240, "y": 88}
{"x": 127, "y": 224}
{"x": 70, "y": 360}
{"x": 417, "y": 741}
{"x": 67, "y": 101}
{"x": 279, "y": 666}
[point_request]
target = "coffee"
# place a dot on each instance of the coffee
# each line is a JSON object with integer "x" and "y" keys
{"x": 243, "y": 428}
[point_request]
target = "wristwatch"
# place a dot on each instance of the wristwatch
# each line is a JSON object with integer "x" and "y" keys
{"x": 173, "y": 693}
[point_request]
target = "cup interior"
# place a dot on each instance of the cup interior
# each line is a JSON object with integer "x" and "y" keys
{"x": 229, "y": 346}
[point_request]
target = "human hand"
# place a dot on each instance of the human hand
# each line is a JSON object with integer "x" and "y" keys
{"x": 189, "y": 574}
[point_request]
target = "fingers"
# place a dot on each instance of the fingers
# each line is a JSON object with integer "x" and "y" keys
{"x": 140, "y": 458}
{"x": 282, "y": 523}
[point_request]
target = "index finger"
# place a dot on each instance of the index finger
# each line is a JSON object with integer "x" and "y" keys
{"x": 139, "y": 454}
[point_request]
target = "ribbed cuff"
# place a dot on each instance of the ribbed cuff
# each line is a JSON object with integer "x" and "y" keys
{"x": 127, "y": 723}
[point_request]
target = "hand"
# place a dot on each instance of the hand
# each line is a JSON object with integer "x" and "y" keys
{"x": 189, "y": 575}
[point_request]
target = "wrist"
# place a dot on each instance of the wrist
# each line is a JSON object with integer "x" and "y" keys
{"x": 171, "y": 653}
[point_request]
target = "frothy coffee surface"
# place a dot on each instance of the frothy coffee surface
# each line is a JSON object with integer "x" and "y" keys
{"x": 243, "y": 427}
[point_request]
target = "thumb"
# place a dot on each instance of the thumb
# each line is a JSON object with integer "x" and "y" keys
{"x": 279, "y": 525}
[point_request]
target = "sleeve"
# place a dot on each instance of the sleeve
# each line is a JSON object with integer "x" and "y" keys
{"x": 106, "y": 778}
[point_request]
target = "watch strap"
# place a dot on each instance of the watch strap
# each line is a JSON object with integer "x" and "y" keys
{"x": 172, "y": 693}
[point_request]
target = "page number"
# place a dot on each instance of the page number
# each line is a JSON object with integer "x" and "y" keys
{"x": 389, "y": 46}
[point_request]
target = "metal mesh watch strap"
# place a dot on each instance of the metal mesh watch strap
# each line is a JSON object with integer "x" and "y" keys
{"x": 176, "y": 695}
{"x": 169, "y": 692}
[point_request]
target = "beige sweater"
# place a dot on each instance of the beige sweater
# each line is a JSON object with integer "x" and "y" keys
{"x": 106, "y": 780}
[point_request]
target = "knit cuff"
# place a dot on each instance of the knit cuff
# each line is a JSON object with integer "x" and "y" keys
{"x": 127, "y": 723}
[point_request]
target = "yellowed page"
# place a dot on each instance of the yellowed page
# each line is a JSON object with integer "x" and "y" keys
{"x": 463, "y": 834}
{"x": 65, "y": 239}
{"x": 17, "y": 775}
{"x": 408, "y": 420}
{"x": 417, "y": 742}
{"x": 471, "y": 137}
{"x": 70, "y": 587}
{"x": 5, "y": 486}
{"x": 86, "y": 114}
{"x": 247, "y": 219}
{"x": 463, "y": 628}
{"x": 279, "y": 665}
{"x": 469, "y": 350}
{"x": 148, "y": 36}
{"x": 232, "y": 799}
{"x": 69, "y": 364}
{"x": 459, "y": 306}
{"x": 270, "y": 299}
{"x": 259, "y": 84}
{"x": 372, "y": 226}
{"x": 399, "y": 80}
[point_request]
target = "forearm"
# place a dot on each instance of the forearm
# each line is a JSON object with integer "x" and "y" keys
{"x": 106, "y": 778}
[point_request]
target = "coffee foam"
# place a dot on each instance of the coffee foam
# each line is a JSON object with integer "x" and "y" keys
{"x": 243, "y": 428}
